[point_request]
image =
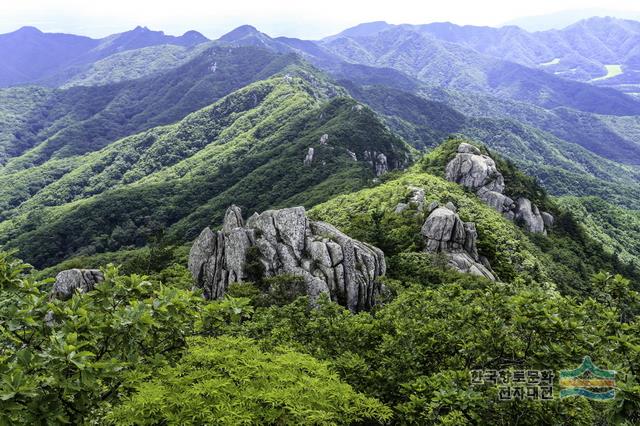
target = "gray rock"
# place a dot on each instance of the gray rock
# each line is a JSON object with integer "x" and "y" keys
{"x": 232, "y": 219}
{"x": 308, "y": 159}
{"x": 444, "y": 232}
{"x": 288, "y": 242}
{"x": 479, "y": 173}
{"x": 463, "y": 262}
{"x": 323, "y": 139}
{"x": 401, "y": 207}
{"x": 499, "y": 202}
{"x": 67, "y": 282}
{"x": 451, "y": 207}
{"x": 465, "y": 148}
{"x": 378, "y": 161}
{"x": 352, "y": 155}
{"x": 471, "y": 236}
{"x": 474, "y": 171}
{"x": 432, "y": 206}
{"x": 417, "y": 197}
{"x": 530, "y": 215}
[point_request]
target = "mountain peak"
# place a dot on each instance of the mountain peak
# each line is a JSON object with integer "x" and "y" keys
{"x": 28, "y": 30}
{"x": 366, "y": 29}
{"x": 241, "y": 32}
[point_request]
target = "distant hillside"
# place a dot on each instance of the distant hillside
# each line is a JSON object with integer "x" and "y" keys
{"x": 434, "y": 61}
{"x": 600, "y": 51}
{"x": 560, "y": 20}
{"x": 31, "y": 56}
{"x": 562, "y": 165}
{"x": 260, "y": 147}
{"x": 83, "y": 119}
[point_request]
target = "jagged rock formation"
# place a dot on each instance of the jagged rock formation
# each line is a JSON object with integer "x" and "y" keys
{"x": 286, "y": 241}
{"x": 479, "y": 173}
{"x": 67, "y": 282}
{"x": 473, "y": 170}
{"x": 444, "y": 232}
{"x": 529, "y": 215}
{"x": 378, "y": 161}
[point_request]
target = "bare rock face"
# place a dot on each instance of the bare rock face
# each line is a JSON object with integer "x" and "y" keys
{"x": 378, "y": 161}
{"x": 67, "y": 282}
{"x": 499, "y": 202}
{"x": 479, "y": 173}
{"x": 308, "y": 159}
{"x": 529, "y": 214}
{"x": 444, "y": 232}
{"x": 473, "y": 170}
{"x": 286, "y": 242}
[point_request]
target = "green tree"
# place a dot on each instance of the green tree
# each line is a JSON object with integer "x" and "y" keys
{"x": 230, "y": 381}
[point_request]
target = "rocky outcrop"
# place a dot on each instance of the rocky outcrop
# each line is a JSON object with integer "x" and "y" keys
{"x": 479, "y": 173}
{"x": 444, "y": 232}
{"x": 529, "y": 215}
{"x": 378, "y": 161}
{"x": 67, "y": 282}
{"x": 287, "y": 242}
{"x": 308, "y": 159}
{"x": 473, "y": 170}
{"x": 548, "y": 219}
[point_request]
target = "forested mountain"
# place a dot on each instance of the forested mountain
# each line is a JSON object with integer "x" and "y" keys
{"x": 602, "y": 51}
{"x": 247, "y": 148}
{"x": 317, "y": 232}
{"x": 31, "y": 56}
{"x": 83, "y": 119}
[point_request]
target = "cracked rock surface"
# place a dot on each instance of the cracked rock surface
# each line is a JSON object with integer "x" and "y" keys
{"x": 287, "y": 242}
{"x": 67, "y": 282}
{"x": 478, "y": 172}
{"x": 444, "y": 232}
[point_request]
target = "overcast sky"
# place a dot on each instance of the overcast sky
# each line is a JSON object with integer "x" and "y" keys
{"x": 309, "y": 19}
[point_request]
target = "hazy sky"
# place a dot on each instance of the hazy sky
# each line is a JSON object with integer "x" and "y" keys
{"x": 296, "y": 18}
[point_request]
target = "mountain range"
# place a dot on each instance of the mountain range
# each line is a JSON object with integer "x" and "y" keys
{"x": 336, "y": 231}
{"x": 422, "y": 82}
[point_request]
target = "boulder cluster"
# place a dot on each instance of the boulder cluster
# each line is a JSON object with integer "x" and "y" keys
{"x": 444, "y": 232}
{"x": 479, "y": 173}
{"x": 287, "y": 242}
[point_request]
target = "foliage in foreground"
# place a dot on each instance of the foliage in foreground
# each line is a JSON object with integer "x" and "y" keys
{"x": 72, "y": 361}
{"x": 229, "y": 380}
